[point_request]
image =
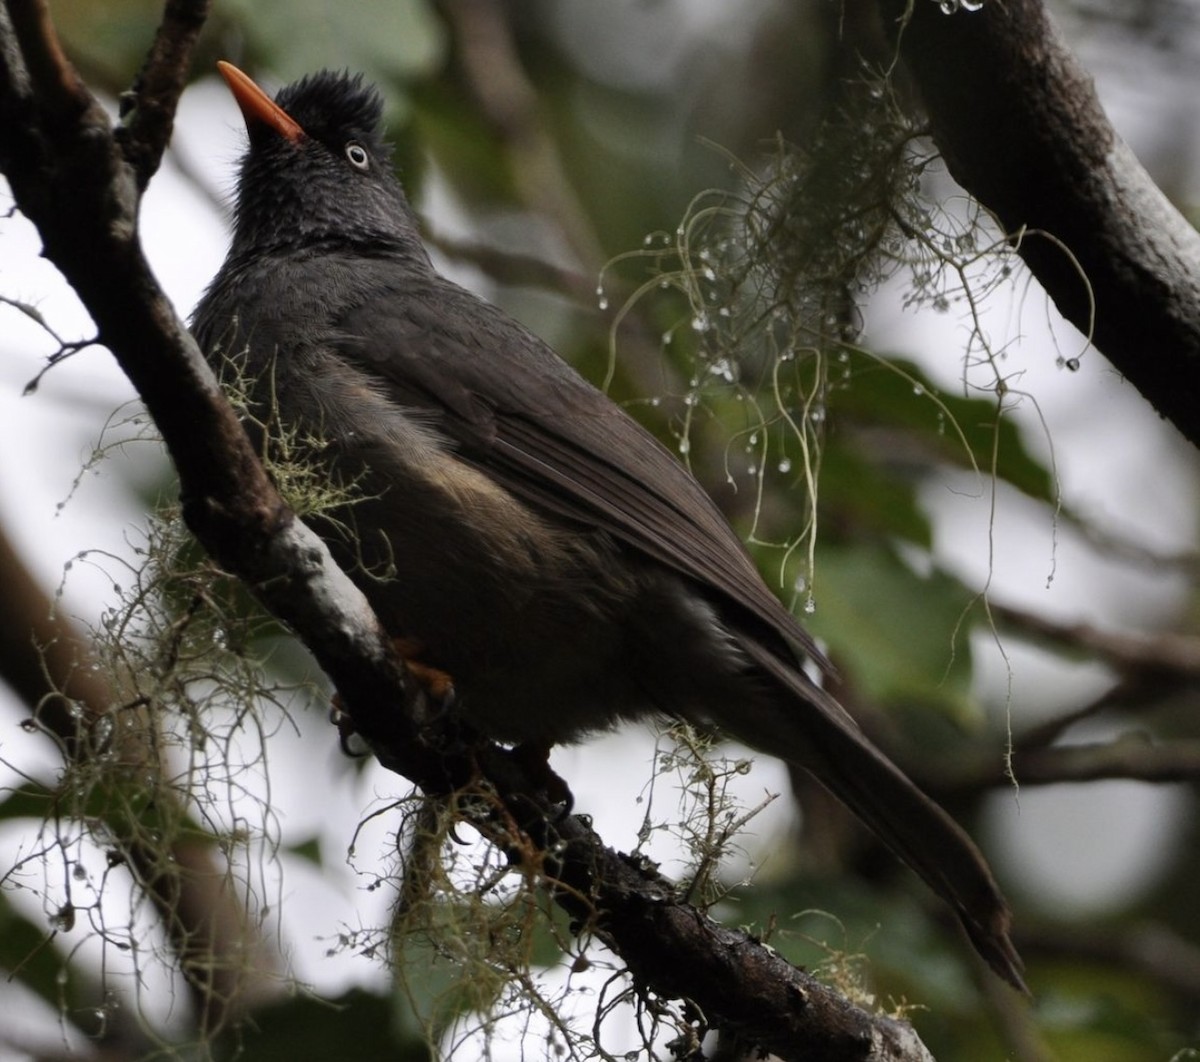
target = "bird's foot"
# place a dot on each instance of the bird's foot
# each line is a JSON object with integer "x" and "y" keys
{"x": 435, "y": 684}
{"x": 438, "y": 685}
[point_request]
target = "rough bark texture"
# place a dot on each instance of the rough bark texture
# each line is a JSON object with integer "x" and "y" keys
{"x": 733, "y": 980}
{"x": 1021, "y": 129}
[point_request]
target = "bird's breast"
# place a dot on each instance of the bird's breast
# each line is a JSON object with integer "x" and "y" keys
{"x": 518, "y": 608}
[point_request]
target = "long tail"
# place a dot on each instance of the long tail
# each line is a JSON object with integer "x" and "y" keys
{"x": 818, "y": 735}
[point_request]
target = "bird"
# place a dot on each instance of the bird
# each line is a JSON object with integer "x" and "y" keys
{"x": 513, "y": 527}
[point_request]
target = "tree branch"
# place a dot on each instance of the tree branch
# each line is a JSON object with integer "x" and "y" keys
{"x": 1149, "y": 951}
{"x": 1019, "y": 124}
{"x": 737, "y": 983}
{"x": 1133, "y": 756}
{"x": 148, "y": 111}
{"x": 50, "y": 75}
{"x": 487, "y": 55}
{"x": 1165, "y": 653}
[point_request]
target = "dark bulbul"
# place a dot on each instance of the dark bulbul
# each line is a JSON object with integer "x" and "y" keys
{"x": 542, "y": 549}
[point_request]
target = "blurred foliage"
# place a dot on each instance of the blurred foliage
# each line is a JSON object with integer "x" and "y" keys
{"x": 387, "y": 40}
{"x": 305, "y": 1027}
{"x": 716, "y": 286}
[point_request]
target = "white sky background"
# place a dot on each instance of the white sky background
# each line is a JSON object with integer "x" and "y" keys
{"x": 1083, "y": 846}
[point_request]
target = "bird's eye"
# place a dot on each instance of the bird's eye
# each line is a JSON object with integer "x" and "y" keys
{"x": 357, "y": 154}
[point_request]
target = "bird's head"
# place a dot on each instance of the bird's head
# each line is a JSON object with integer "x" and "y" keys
{"x": 317, "y": 170}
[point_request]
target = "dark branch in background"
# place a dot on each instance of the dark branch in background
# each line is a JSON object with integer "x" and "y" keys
{"x": 520, "y": 270}
{"x": 1021, "y": 129}
{"x": 1167, "y": 654}
{"x": 1132, "y": 757}
{"x": 1121, "y": 546}
{"x": 72, "y": 179}
{"x": 148, "y": 109}
{"x": 1148, "y": 951}
{"x": 1150, "y": 672}
{"x": 487, "y": 56}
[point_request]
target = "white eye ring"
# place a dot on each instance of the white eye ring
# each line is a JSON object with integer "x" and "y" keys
{"x": 357, "y": 154}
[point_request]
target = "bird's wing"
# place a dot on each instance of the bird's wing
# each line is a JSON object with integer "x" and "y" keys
{"x": 513, "y": 408}
{"x": 516, "y": 410}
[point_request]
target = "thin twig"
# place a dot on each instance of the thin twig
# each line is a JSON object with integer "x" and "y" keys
{"x": 148, "y": 109}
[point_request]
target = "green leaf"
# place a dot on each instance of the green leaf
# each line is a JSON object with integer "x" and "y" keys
{"x": 967, "y": 432}
{"x": 357, "y": 1025}
{"x": 309, "y": 851}
{"x": 384, "y": 39}
{"x": 29, "y": 801}
{"x": 26, "y": 954}
{"x": 895, "y": 631}
{"x": 858, "y": 492}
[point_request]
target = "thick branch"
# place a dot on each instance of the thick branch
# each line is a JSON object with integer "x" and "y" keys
{"x": 735, "y": 982}
{"x": 1021, "y": 129}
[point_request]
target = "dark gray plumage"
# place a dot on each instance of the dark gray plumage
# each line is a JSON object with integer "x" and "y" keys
{"x": 543, "y": 549}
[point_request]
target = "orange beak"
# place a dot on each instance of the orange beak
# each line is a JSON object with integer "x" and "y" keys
{"x": 258, "y": 109}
